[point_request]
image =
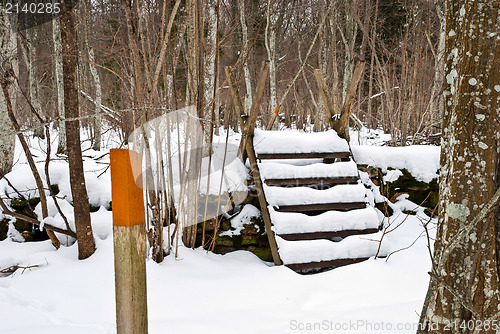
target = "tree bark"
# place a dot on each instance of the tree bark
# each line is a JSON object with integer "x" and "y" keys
{"x": 32, "y": 36}
{"x": 86, "y": 242}
{"x": 97, "y": 120}
{"x": 59, "y": 85}
{"x": 245, "y": 46}
{"x": 8, "y": 58}
{"x": 465, "y": 278}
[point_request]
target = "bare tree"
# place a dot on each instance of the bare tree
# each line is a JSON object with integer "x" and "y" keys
{"x": 86, "y": 242}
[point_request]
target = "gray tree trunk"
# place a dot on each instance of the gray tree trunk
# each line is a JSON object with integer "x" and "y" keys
{"x": 246, "y": 71}
{"x": 86, "y": 242}
{"x": 32, "y": 36}
{"x": 270, "y": 42}
{"x": 8, "y": 60}
{"x": 97, "y": 120}
{"x": 465, "y": 282}
{"x": 59, "y": 84}
{"x": 210, "y": 62}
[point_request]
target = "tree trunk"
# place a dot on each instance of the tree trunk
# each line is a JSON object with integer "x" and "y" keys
{"x": 86, "y": 242}
{"x": 32, "y": 35}
{"x": 8, "y": 58}
{"x": 270, "y": 41}
{"x": 97, "y": 120}
{"x": 211, "y": 72}
{"x": 465, "y": 278}
{"x": 245, "y": 46}
{"x": 59, "y": 85}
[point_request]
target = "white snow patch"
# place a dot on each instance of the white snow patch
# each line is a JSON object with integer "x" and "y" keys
{"x": 290, "y": 141}
{"x": 344, "y": 193}
{"x": 421, "y": 161}
{"x": 392, "y": 175}
{"x": 244, "y": 217}
{"x": 330, "y": 221}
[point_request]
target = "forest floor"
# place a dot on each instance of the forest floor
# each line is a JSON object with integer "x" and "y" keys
{"x": 199, "y": 292}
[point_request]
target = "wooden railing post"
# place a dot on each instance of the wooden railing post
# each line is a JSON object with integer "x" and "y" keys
{"x": 129, "y": 238}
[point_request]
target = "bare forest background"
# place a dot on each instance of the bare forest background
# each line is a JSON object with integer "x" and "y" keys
{"x": 140, "y": 58}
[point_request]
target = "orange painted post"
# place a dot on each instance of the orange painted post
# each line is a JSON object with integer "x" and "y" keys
{"x": 129, "y": 237}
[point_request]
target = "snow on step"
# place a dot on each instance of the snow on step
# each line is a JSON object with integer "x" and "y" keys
{"x": 352, "y": 247}
{"x": 344, "y": 193}
{"x": 298, "y": 142}
{"x": 330, "y": 221}
{"x": 272, "y": 170}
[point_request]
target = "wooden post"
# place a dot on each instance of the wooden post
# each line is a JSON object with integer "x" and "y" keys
{"x": 262, "y": 200}
{"x": 129, "y": 237}
{"x": 327, "y": 99}
{"x": 341, "y": 125}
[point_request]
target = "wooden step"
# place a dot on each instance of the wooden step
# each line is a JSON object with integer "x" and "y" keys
{"x": 326, "y": 235}
{"x": 313, "y": 181}
{"x": 322, "y": 207}
{"x": 329, "y": 156}
{"x": 324, "y": 264}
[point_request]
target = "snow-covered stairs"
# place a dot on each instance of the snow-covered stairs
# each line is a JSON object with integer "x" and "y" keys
{"x": 317, "y": 206}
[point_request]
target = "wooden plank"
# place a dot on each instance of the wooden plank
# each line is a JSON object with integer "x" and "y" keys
{"x": 325, "y": 264}
{"x": 308, "y": 155}
{"x": 312, "y": 181}
{"x": 311, "y": 208}
{"x": 262, "y": 200}
{"x": 326, "y": 235}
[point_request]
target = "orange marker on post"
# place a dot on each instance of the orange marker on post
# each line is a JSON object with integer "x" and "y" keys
{"x": 129, "y": 237}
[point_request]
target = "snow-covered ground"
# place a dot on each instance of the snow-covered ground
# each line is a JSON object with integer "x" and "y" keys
{"x": 202, "y": 292}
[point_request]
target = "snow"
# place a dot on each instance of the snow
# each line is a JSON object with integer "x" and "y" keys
{"x": 201, "y": 292}
{"x": 298, "y": 142}
{"x": 71, "y": 296}
{"x": 273, "y": 170}
{"x": 343, "y": 193}
{"x": 352, "y": 247}
{"x": 421, "y": 161}
{"x": 244, "y": 217}
{"x": 330, "y": 221}
{"x": 392, "y": 175}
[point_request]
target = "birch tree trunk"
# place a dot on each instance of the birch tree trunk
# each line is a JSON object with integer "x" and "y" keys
{"x": 86, "y": 242}
{"x": 32, "y": 35}
{"x": 195, "y": 97}
{"x": 59, "y": 84}
{"x": 8, "y": 60}
{"x": 270, "y": 42}
{"x": 465, "y": 282}
{"x": 246, "y": 71}
{"x": 210, "y": 62}
{"x": 349, "y": 48}
{"x": 97, "y": 120}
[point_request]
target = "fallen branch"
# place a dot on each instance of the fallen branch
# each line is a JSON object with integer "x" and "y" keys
{"x": 12, "y": 269}
{"x": 16, "y": 215}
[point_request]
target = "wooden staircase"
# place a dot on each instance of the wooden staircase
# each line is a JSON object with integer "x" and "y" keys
{"x": 312, "y": 200}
